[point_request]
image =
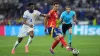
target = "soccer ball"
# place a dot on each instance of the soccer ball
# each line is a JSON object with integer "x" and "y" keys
{"x": 75, "y": 52}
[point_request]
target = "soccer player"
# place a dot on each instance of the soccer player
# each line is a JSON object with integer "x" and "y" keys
{"x": 50, "y": 24}
{"x": 68, "y": 18}
{"x": 29, "y": 16}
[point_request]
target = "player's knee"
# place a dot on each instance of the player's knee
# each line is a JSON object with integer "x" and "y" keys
{"x": 70, "y": 32}
{"x": 57, "y": 38}
{"x": 31, "y": 36}
{"x": 19, "y": 40}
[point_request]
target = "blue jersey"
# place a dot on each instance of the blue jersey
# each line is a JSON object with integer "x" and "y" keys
{"x": 67, "y": 17}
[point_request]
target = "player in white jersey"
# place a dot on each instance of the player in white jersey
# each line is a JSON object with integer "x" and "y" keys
{"x": 29, "y": 16}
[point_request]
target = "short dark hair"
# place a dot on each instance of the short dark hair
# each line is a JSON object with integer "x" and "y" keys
{"x": 68, "y": 7}
{"x": 29, "y": 4}
{"x": 55, "y": 3}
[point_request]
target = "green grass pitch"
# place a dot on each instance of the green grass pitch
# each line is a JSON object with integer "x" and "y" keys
{"x": 87, "y": 45}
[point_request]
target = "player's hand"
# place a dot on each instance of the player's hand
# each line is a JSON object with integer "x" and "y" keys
{"x": 45, "y": 15}
{"x": 45, "y": 30}
{"x": 63, "y": 23}
{"x": 74, "y": 23}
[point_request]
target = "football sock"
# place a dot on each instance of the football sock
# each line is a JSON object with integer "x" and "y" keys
{"x": 29, "y": 41}
{"x": 70, "y": 38}
{"x": 63, "y": 42}
{"x": 16, "y": 44}
{"x": 55, "y": 43}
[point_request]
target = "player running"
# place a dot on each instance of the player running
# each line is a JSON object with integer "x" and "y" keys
{"x": 53, "y": 30}
{"x": 29, "y": 16}
{"x": 68, "y": 17}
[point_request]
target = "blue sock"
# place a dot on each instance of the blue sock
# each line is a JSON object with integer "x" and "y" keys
{"x": 69, "y": 38}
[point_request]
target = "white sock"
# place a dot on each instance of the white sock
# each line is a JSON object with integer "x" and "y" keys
{"x": 67, "y": 47}
{"x": 29, "y": 41}
{"x": 16, "y": 44}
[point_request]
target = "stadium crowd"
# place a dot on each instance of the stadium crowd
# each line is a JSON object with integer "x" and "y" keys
{"x": 11, "y": 11}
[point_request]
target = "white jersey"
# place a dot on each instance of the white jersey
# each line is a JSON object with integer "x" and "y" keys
{"x": 31, "y": 17}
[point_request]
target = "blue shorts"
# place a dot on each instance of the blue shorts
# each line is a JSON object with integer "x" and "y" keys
{"x": 53, "y": 31}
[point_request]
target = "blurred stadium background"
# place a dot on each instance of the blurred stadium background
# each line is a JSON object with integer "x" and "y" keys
{"x": 85, "y": 34}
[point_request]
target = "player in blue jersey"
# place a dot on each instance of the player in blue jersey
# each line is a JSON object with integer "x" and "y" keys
{"x": 68, "y": 18}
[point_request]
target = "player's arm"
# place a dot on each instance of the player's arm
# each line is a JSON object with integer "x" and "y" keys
{"x": 46, "y": 18}
{"x": 44, "y": 15}
{"x": 27, "y": 23}
{"x": 61, "y": 18}
{"x": 41, "y": 14}
{"x": 25, "y": 19}
{"x": 45, "y": 22}
{"x": 74, "y": 19}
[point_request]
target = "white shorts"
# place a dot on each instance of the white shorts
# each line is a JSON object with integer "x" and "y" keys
{"x": 24, "y": 31}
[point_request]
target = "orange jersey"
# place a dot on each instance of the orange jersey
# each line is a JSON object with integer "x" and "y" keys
{"x": 53, "y": 16}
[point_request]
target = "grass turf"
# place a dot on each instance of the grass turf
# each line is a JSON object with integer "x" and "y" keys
{"x": 87, "y": 45}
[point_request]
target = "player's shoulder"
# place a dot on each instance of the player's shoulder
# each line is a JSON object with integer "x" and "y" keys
{"x": 26, "y": 11}
{"x": 63, "y": 12}
{"x": 73, "y": 11}
{"x": 36, "y": 11}
{"x": 51, "y": 11}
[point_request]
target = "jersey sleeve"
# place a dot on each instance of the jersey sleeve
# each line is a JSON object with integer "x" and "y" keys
{"x": 38, "y": 13}
{"x": 25, "y": 15}
{"x": 62, "y": 15}
{"x": 74, "y": 13}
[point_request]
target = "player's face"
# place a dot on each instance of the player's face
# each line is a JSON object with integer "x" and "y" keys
{"x": 31, "y": 7}
{"x": 56, "y": 6}
{"x": 68, "y": 9}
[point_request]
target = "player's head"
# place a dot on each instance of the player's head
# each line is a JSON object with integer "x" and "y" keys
{"x": 55, "y": 5}
{"x": 31, "y": 6}
{"x": 68, "y": 8}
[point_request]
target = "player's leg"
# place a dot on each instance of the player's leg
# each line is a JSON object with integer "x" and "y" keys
{"x": 21, "y": 35}
{"x": 55, "y": 43}
{"x": 64, "y": 42}
{"x": 51, "y": 32}
{"x": 70, "y": 34}
{"x": 58, "y": 38}
{"x": 16, "y": 44}
{"x": 31, "y": 35}
{"x": 64, "y": 29}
